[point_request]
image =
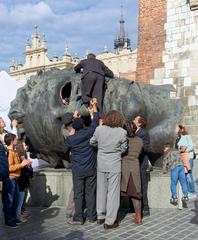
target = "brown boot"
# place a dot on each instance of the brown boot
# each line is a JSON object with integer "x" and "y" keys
{"x": 138, "y": 218}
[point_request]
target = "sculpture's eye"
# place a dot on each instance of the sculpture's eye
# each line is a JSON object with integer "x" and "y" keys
{"x": 66, "y": 93}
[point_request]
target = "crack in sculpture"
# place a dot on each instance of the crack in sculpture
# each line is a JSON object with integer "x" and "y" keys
{"x": 40, "y": 105}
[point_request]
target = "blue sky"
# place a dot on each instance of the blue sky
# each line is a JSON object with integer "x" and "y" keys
{"x": 81, "y": 24}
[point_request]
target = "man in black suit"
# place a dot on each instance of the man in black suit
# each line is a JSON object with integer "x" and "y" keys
{"x": 93, "y": 79}
{"x": 142, "y": 132}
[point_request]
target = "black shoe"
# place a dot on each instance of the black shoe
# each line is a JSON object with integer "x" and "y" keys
{"x": 174, "y": 201}
{"x": 12, "y": 225}
{"x": 185, "y": 199}
{"x": 107, "y": 226}
{"x": 145, "y": 213}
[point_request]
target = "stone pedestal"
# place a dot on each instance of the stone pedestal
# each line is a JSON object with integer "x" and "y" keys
{"x": 52, "y": 188}
{"x": 159, "y": 193}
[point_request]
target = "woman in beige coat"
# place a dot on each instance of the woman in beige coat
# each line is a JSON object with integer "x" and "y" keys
{"x": 131, "y": 181}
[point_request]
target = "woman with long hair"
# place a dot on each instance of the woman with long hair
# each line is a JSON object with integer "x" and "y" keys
{"x": 131, "y": 180}
{"x": 24, "y": 178}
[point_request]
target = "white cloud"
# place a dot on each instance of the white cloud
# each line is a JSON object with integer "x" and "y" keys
{"x": 23, "y": 14}
{"x": 88, "y": 24}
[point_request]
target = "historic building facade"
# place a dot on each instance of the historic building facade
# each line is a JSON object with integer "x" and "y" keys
{"x": 36, "y": 59}
{"x": 122, "y": 61}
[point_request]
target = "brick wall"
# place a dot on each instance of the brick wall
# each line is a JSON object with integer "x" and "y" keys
{"x": 129, "y": 75}
{"x": 151, "y": 38}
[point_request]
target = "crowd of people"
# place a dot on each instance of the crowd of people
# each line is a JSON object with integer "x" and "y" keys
{"x": 96, "y": 154}
{"x": 109, "y": 160}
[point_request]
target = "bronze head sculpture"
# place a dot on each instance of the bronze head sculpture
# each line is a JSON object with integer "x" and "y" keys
{"x": 40, "y": 106}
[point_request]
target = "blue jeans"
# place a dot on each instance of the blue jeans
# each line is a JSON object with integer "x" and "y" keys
{"x": 20, "y": 204}
{"x": 10, "y": 196}
{"x": 190, "y": 180}
{"x": 178, "y": 173}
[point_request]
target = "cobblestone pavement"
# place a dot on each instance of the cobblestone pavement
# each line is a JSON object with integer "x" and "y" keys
{"x": 50, "y": 223}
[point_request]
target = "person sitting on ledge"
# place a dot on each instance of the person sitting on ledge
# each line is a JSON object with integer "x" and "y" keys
{"x": 83, "y": 159}
{"x": 172, "y": 161}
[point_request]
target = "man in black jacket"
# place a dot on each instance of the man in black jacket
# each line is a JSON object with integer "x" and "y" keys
{"x": 142, "y": 133}
{"x": 93, "y": 79}
{"x": 83, "y": 159}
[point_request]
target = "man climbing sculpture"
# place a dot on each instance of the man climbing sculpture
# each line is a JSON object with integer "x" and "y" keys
{"x": 93, "y": 79}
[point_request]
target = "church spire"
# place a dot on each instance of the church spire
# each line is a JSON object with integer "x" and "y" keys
{"x": 122, "y": 39}
{"x": 122, "y": 29}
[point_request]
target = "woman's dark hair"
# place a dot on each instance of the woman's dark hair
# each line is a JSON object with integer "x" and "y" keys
{"x": 182, "y": 130}
{"x": 114, "y": 119}
{"x": 9, "y": 138}
{"x": 129, "y": 127}
{"x": 19, "y": 148}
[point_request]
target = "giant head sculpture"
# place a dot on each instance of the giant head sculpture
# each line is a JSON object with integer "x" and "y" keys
{"x": 40, "y": 105}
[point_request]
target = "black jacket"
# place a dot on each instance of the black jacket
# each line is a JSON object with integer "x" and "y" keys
{"x": 4, "y": 170}
{"x": 93, "y": 65}
{"x": 83, "y": 156}
{"x": 24, "y": 178}
{"x": 144, "y": 135}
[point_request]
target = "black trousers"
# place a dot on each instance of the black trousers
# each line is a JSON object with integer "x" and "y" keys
{"x": 93, "y": 87}
{"x": 144, "y": 182}
{"x": 85, "y": 189}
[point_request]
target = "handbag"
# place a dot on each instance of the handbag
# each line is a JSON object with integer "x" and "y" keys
{"x": 194, "y": 155}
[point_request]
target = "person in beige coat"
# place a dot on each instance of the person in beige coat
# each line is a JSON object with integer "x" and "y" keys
{"x": 131, "y": 180}
{"x": 111, "y": 141}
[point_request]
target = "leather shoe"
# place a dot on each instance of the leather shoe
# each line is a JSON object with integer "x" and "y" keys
{"x": 100, "y": 221}
{"x": 107, "y": 226}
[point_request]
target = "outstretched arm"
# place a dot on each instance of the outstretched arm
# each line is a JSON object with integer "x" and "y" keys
{"x": 108, "y": 72}
{"x": 78, "y": 67}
